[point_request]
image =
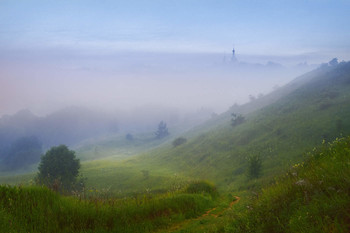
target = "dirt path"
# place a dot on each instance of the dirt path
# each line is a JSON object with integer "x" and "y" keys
{"x": 218, "y": 214}
{"x": 207, "y": 213}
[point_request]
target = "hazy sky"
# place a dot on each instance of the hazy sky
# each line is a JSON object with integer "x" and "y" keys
{"x": 55, "y": 53}
{"x": 255, "y": 27}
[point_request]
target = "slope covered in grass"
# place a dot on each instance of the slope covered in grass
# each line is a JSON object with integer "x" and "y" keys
{"x": 289, "y": 122}
{"x": 279, "y": 133}
{"x": 314, "y": 196}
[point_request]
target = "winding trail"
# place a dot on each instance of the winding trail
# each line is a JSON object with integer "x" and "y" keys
{"x": 218, "y": 214}
{"x": 207, "y": 213}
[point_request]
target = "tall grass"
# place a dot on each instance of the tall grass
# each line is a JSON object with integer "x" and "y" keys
{"x": 37, "y": 209}
{"x": 312, "y": 197}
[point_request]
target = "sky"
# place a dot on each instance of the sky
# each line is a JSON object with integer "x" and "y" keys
{"x": 55, "y": 53}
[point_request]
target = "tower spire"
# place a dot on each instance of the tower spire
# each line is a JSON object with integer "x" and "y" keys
{"x": 233, "y": 58}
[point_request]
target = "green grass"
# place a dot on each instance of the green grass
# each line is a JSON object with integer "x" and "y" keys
{"x": 24, "y": 179}
{"x": 116, "y": 147}
{"x": 280, "y": 133}
{"x": 36, "y": 209}
{"x": 311, "y": 197}
{"x": 314, "y": 109}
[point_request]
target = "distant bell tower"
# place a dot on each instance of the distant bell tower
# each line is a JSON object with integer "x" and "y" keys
{"x": 233, "y": 58}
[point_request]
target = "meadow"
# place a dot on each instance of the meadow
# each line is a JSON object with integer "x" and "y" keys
{"x": 146, "y": 186}
{"x": 37, "y": 209}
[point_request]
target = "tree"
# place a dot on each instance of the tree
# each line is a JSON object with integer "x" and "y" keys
{"x": 129, "y": 137}
{"x": 237, "y": 119}
{"x": 59, "y": 169}
{"x": 23, "y": 152}
{"x": 162, "y": 130}
{"x": 179, "y": 141}
{"x": 254, "y": 168}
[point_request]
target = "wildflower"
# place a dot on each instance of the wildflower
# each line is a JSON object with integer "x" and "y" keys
{"x": 300, "y": 182}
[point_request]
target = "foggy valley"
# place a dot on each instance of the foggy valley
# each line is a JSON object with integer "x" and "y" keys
{"x": 174, "y": 116}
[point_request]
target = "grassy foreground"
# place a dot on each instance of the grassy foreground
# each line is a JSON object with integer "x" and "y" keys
{"x": 313, "y": 196}
{"x": 37, "y": 209}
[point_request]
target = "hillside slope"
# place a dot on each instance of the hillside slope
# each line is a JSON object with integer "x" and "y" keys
{"x": 280, "y": 133}
{"x": 314, "y": 196}
{"x": 290, "y": 122}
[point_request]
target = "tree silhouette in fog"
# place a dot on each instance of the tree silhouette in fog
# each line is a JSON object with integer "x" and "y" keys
{"x": 162, "y": 130}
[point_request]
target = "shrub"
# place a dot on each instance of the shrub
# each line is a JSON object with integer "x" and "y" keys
{"x": 179, "y": 141}
{"x": 254, "y": 168}
{"x": 237, "y": 119}
{"x": 202, "y": 187}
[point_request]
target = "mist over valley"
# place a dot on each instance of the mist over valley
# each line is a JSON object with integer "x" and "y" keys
{"x": 174, "y": 116}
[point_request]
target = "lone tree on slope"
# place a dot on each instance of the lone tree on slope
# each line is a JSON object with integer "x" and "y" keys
{"x": 162, "y": 130}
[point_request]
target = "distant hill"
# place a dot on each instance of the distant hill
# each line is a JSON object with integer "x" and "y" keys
{"x": 74, "y": 126}
{"x": 67, "y": 126}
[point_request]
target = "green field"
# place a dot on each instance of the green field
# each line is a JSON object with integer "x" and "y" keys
{"x": 35, "y": 209}
{"x": 149, "y": 176}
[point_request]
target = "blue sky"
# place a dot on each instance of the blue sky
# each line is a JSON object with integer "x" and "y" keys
{"x": 254, "y": 27}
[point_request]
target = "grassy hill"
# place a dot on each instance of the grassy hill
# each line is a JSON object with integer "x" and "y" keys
{"x": 285, "y": 124}
{"x": 312, "y": 108}
{"x": 279, "y": 129}
{"x": 280, "y": 133}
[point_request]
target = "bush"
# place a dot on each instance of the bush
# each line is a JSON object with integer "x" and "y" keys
{"x": 202, "y": 187}
{"x": 254, "y": 168}
{"x": 179, "y": 141}
{"x": 237, "y": 119}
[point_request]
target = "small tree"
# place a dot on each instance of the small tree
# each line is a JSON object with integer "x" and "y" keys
{"x": 254, "y": 168}
{"x": 179, "y": 141}
{"x": 162, "y": 130}
{"x": 59, "y": 169}
{"x": 237, "y": 119}
{"x": 129, "y": 137}
{"x": 23, "y": 152}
